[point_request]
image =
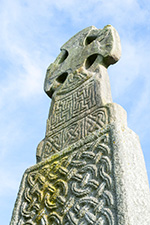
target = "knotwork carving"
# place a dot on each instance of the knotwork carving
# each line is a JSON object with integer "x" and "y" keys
{"x": 75, "y": 131}
{"x": 75, "y": 189}
{"x": 72, "y": 182}
{"x": 80, "y": 57}
{"x": 78, "y": 84}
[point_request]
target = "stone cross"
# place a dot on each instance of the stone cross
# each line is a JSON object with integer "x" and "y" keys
{"x": 78, "y": 83}
{"x": 90, "y": 168}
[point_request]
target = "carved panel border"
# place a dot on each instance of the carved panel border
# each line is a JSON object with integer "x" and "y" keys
{"x": 73, "y": 187}
{"x": 70, "y": 107}
{"x": 75, "y": 131}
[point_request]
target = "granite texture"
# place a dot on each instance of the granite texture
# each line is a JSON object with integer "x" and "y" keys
{"x": 90, "y": 167}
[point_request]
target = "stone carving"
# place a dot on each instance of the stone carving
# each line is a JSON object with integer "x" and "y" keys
{"x": 75, "y": 189}
{"x": 73, "y": 105}
{"x": 90, "y": 168}
{"x": 79, "y": 86}
{"x": 78, "y": 56}
{"x": 74, "y": 131}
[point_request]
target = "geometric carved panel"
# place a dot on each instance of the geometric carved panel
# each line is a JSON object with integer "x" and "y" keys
{"x": 72, "y": 105}
{"x": 74, "y": 189}
{"x": 75, "y": 131}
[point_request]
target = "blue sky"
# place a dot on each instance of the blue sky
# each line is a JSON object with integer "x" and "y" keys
{"x": 31, "y": 34}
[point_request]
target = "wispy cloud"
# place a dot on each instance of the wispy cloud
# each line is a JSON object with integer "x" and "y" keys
{"x": 31, "y": 34}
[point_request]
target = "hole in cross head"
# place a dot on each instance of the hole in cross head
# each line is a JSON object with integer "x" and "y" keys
{"x": 50, "y": 92}
{"x": 90, "y": 39}
{"x": 90, "y": 60}
{"x": 64, "y": 54}
{"x": 61, "y": 79}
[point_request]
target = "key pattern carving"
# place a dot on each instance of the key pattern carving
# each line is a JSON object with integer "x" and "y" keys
{"x": 72, "y": 105}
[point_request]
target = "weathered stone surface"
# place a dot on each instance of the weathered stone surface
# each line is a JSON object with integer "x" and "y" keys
{"x": 90, "y": 168}
{"x": 79, "y": 85}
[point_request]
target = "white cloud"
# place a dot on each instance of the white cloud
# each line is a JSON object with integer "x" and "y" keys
{"x": 31, "y": 34}
{"x": 131, "y": 84}
{"x": 124, "y": 14}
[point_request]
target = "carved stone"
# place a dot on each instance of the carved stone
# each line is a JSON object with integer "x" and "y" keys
{"x": 90, "y": 168}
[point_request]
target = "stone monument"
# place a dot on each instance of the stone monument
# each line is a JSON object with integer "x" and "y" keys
{"x": 90, "y": 168}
